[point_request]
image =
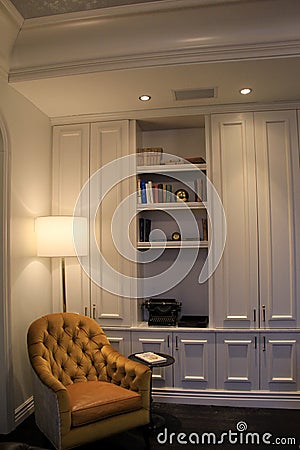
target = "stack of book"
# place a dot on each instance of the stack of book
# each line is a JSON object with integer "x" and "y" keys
{"x": 149, "y": 156}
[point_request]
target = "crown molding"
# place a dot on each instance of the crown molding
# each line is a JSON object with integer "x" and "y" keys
{"x": 13, "y": 12}
{"x": 173, "y": 57}
{"x": 10, "y": 23}
{"x": 98, "y": 42}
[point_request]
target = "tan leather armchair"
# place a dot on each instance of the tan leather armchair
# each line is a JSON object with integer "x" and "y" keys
{"x": 84, "y": 390}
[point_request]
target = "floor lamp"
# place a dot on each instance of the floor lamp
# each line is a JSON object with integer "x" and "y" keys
{"x": 61, "y": 236}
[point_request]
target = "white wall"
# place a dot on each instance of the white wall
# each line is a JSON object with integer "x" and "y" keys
{"x": 29, "y": 142}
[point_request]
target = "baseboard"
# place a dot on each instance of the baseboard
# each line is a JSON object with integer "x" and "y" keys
{"x": 254, "y": 399}
{"x": 24, "y": 410}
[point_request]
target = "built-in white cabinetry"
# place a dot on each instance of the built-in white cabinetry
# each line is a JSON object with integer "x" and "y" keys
{"x": 195, "y": 359}
{"x": 250, "y": 361}
{"x": 120, "y": 339}
{"x": 194, "y": 354}
{"x": 255, "y": 169}
{"x": 251, "y": 347}
{"x": 79, "y": 151}
{"x": 109, "y": 143}
{"x": 70, "y": 171}
{"x": 278, "y": 194}
{"x": 155, "y": 341}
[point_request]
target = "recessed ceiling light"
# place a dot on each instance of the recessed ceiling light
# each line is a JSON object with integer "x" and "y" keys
{"x": 245, "y": 91}
{"x": 144, "y": 98}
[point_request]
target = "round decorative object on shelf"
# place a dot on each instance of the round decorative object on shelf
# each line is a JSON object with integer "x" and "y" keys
{"x": 176, "y": 236}
{"x": 182, "y": 195}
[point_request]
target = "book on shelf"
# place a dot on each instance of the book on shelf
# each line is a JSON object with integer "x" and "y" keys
{"x": 144, "y": 229}
{"x": 150, "y": 357}
{"x": 149, "y": 192}
{"x": 196, "y": 160}
{"x": 160, "y": 193}
{"x": 147, "y": 229}
{"x": 204, "y": 229}
{"x": 139, "y": 191}
{"x": 143, "y": 192}
{"x": 169, "y": 192}
{"x": 200, "y": 190}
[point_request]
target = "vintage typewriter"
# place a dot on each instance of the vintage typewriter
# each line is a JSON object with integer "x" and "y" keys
{"x": 162, "y": 312}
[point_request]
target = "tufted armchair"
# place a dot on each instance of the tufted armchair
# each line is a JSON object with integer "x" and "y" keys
{"x": 84, "y": 390}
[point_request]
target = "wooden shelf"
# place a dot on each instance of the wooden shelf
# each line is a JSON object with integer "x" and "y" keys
{"x": 171, "y": 205}
{"x": 169, "y": 168}
{"x": 173, "y": 244}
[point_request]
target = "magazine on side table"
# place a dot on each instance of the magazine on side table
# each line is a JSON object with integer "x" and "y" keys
{"x": 150, "y": 357}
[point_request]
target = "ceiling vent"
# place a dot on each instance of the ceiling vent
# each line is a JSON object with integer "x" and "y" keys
{"x": 194, "y": 94}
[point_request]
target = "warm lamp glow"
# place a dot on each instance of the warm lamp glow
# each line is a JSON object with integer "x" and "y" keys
{"x": 55, "y": 236}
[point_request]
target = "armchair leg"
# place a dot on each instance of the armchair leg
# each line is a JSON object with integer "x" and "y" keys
{"x": 146, "y": 434}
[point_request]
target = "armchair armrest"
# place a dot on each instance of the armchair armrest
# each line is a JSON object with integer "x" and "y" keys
{"x": 128, "y": 374}
{"x": 52, "y": 410}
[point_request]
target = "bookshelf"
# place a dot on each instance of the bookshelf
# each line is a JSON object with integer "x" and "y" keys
{"x": 166, "y": 214}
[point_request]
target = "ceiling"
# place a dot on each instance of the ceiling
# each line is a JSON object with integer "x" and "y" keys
{"x": 40, "y": 8}
{"x": 116, "y": 91}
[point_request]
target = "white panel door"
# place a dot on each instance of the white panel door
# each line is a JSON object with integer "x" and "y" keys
{"x": 235, "y": 282}
{"x": 237, "y": 361}
{"x": 70, "y": 172}
{"x": 109, "y": 143}
{"x": 155, "y": 341}
{"x": 280, "y": 361}
{"x": 194, "y": 360}
{"x": 120, "y": 340}
{"x": 278, "y": 184}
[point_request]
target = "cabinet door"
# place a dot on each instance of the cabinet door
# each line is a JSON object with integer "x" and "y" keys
{"x": 70, "y": 172}
{"x": 155, "y": 341}
{"x": 109, "y": 142}
{"x": 120, "y": 340}
{"x": 278, "y": 181}
{"x": 237, "y": 361}
{"x": 280, "y": 363}
{"x": 234, "y": 286}
{"x": 194, "y": 360}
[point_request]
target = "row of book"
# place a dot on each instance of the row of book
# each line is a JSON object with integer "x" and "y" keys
{"x": 149, "y": 192}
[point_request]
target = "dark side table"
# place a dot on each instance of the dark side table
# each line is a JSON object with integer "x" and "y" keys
{"x": 156, "y": 421}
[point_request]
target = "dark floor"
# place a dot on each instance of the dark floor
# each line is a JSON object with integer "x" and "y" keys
{"x": 229, "y": 428}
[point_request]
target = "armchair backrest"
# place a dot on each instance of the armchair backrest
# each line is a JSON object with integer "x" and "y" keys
{"x": 68, "y": 346}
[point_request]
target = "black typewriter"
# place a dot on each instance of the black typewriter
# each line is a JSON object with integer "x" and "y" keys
{"x": 162, "y": 312}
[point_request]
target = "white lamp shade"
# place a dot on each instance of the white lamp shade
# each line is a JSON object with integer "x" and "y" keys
{"x": 59, "y": 236}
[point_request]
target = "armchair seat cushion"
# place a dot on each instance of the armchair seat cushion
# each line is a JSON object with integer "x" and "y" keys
{"x": 94, "y": 400}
